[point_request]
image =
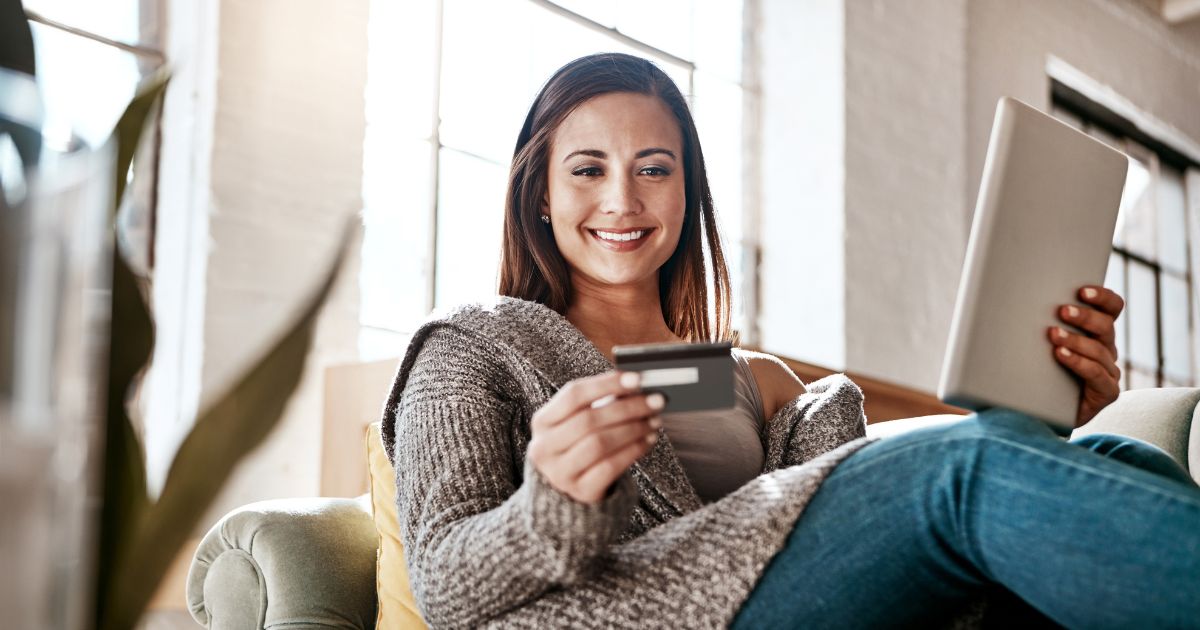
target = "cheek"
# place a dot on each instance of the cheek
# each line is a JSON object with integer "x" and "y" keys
{"x": 564, "y": 196}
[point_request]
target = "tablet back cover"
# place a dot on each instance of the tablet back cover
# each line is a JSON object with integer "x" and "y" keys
{"x": 1043, "y": 228}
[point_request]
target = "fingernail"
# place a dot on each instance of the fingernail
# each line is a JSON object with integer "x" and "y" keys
{"x": 656, "y": 401}
{"x": 631, "y": 379}
{"x": 655, "y": 422}
{"x": 1064, "y": 351}
{"x": 1060, "y": 333}
{"x": 652, "y": 438}
{"x": 1090, "y": 293}
{"x": 1072, "y": 311}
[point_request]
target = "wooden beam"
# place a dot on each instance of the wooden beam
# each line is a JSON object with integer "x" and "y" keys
{"x": 883, "y": 400}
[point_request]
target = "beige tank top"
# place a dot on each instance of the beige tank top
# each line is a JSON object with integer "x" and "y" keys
{"x": 721, "y": 450}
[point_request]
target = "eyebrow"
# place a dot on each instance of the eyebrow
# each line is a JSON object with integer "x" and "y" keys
{"x": 600, "y": 155}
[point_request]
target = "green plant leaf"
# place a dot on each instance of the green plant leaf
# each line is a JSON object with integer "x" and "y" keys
{"x": 132, "y": 124}
{"x": 131, "y": 343}
{"x": 17, "y": 53}
{"x": 16, "y": 39}
{"x": 125, "y": 496}
{"x": 224, "y": 433}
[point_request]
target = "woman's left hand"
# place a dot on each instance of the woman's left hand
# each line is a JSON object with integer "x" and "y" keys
{"x": 1092, "y": 356}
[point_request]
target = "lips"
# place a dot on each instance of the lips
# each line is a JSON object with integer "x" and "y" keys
{"x": 622, "y": 246}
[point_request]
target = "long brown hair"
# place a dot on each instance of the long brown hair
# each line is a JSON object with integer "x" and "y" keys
{"x": 532, "y": 268}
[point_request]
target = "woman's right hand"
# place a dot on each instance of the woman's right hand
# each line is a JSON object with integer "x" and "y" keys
{"x": 581, "y": 445}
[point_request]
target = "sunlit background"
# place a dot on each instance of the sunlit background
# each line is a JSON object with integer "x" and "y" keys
{"x": 844, "y": 142}
{"x": 440, "y": 134}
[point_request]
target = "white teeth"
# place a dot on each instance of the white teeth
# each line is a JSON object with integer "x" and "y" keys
{"x": 631, "y": 236}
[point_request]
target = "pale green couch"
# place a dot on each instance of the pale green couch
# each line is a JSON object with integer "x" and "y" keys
{"x": 310, "y": 563}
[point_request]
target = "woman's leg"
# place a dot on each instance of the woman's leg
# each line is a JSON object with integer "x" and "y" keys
{"x": 1135, "y": 453}
{"x": 909, "y": 528}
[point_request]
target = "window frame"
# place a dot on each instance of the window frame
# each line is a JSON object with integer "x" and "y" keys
{"x": 1094, "y": 114}
{"x": 746, "y": 278}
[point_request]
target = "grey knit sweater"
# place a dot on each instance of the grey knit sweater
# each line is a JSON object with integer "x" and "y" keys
{"x": 489, "y": 542}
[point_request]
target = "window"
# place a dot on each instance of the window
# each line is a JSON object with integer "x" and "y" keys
{"x": 449, "y": 84}
{"x": 91, "y": 57}
{"x": 1152, "y": 265}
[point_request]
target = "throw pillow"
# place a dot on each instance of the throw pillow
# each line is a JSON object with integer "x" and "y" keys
{"x": 397, "y": 607}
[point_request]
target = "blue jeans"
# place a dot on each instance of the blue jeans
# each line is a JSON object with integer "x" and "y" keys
{"x": 1100, "y": 532}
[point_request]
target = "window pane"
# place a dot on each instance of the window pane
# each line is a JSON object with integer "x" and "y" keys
{"x": 401, "y": 77}
{"x": 1172, "y": 230}
{"x": 717, "y": 109}
{"x": 470, "y": 223}
{"x": 1142, "y": 310}
{"x": 375, "y": 344}
{"x": 559, "y": 41}
{"x": 484, "y": 104}
{"x": 1177, "y": 343}
{"x": 85, "y": 84}
{"x": 395, "y": 268}
{"x": 114, "y": 19}
{"x": 604, "y": 13}
{"x": 486, "y": 59}
{"x": 1114, "y": 279}
{"x": 1136, "y": 224}
{"x": 719, "y": 26}
{"x": 665, "y": 24}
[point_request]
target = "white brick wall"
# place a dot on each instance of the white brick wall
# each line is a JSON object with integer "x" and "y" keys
{"x": 286, "y": 170}
{"x": 907, "y": 128}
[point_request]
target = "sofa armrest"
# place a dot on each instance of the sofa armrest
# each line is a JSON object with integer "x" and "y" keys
{"x": 888, "y": 428}
{"x": 295, "y": 563}
{"x": 1167, "y": 417}
{"x": 1164, "y": 417}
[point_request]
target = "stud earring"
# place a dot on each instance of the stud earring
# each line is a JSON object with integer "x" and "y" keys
{"x": 545, "y": 218}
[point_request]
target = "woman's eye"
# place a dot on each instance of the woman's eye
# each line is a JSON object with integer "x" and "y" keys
{"x": 586, "y": 171}
{"x": 657, "y": 171}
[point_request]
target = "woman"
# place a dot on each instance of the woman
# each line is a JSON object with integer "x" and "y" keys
{"x": 535, "y": 486}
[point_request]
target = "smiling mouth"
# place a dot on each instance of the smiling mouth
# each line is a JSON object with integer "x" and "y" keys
{"x": 629, "y": 236}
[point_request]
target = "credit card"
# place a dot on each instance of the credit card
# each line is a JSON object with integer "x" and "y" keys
{"x": 692, "y": 376}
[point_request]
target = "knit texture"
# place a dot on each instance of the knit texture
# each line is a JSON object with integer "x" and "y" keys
{"x": 491, "y": 543}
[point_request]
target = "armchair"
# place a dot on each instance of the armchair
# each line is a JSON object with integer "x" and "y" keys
{"x": 310, "y": 563}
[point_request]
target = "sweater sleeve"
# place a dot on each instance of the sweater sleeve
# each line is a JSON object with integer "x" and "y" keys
{"x": 823, "y": 418}
{"x": 480, "y": 536}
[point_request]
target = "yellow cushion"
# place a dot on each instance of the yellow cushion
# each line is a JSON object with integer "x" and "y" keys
{"x": 397, "y": 607}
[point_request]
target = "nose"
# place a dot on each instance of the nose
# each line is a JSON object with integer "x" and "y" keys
{"x": 620, "y": 196}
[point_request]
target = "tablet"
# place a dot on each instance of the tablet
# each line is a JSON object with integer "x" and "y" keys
{"x": 1043, "y": 228}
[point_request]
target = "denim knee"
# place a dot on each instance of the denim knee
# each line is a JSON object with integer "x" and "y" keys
{"x": 1135, "y": 453}
{"x": 999, "y": 421}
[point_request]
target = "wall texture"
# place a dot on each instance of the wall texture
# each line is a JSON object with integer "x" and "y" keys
{"x": 286, "y": 171}
{"x": 908, "y": 136}
{"x": 905, "y": 117}
{"x": 802, "y": 176}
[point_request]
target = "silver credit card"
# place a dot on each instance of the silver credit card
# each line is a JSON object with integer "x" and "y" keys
{"x": 692, "y": 376}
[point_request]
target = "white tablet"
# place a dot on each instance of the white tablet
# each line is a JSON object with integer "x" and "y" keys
{"x": 1043, "y": 228}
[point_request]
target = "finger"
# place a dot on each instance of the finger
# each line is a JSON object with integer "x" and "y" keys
{"x": 564, "y": 435}
{"x": 1098, "y": 324}
{"x": 1106, "y": 300}
{"x": 1086, "y": 346}
{"x": 596, "y": 480}
{"x": 581, "y": 393}
{"x": 598, "y": 446}
{"x": 1094, "y": 376}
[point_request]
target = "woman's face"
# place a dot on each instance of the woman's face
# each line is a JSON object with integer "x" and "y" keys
{"x": 616, "y": 170}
